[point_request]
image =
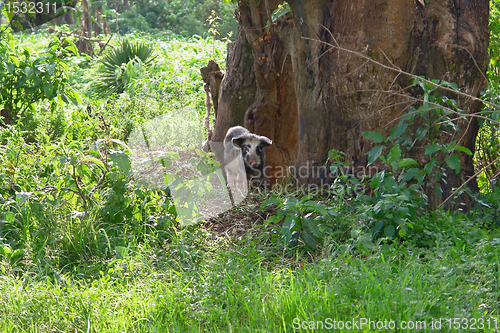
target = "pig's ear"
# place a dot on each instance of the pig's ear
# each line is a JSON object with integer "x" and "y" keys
{"x": 264, "y": 141}
{"x": 238, "y": 141}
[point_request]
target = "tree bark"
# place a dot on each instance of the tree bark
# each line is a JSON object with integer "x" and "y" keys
{"x": 285, "y": 81}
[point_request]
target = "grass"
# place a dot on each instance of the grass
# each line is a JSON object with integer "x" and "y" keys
{"x": 212, "y": 287}
{"x": 102, "y": 254}
{"x": 203, "y": 279}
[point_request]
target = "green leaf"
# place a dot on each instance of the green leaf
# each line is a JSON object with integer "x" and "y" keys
{"x": 429, "y": 167}
{"x": 282, "y": 10}
{"x": 74, "y": 97}
{"x": 121, "y": 160}
{"x": 269, "y": 202}
{"x": 21, "y": 197}
{"x": 366, "y": 241}
{"x": 464, "y": 149}
{"x": 47, "y": 89}
{"x": 375, "y": 153}
{"x": 95, "y": 161}
{"x": 10, "y": 67}
{"x": 421, "y": 133}
{"x": 76, "y": 145}
{"x": 402, "y": 232}
{"x": 172, "y": 180}
{"x": 172, "y": 155}
{"x": 121, "y": 252}
{"x": 10, "y": 217}
{"x": 394, "y": 154}
{"x": 114, "y": 74}
{"x": 64, "y": 98}
{"x": 308, "y": 239}
{"x": 5, "y": 250}
{"x": 409, "y": 174}
{"x": 453, "y": 103}
{"x": 120, "y": 142}
{"x": 316, "y": 207}
{"x": 21, "y": 82}
{"x": 453, "y": 85}
{"x": 377, "y": 179}
{"x": 406, "y": 162}
{"x": 432, "y": 149}
{"x": 397, "y": 131}
{"x": 17, "y": 24}
{"x": 312, "y": 225}
{"x": 16, "y": 256}
{"x": 438, "y": 190}
{"x": 290, "y": 201}
{"x": 273, "y": 219}
{"x": 286, "y": 229}
{"x": 71, "y": 47}
{"x": 84, "y": 171}
{"x": 389, "y": 231}
{"x": 14, "y": 60}
{"x": 373, "y": 136}
{"x": 51, "y": 68}
{"x": 164, "y": 161}
{"x": 453, "y": 161}
{"x": 289, "y": 222}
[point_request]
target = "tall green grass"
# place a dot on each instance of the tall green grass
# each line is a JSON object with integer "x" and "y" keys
{"x": 219, "y": 290}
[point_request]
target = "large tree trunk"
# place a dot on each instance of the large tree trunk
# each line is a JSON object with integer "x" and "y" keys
{"x": 286, "y": 81}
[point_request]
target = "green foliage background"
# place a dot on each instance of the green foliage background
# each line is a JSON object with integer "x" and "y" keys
{"x": 181, "y": 17}
{"x": 85, "y": 247}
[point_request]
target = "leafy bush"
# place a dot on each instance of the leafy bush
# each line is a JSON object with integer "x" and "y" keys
{"x": 397, "y": 194}
{"x": 65, "y": 199}
{"x": 487, "y": 209}
{"x": 390, "y": 202}
{"x": 302, "y": 220}
{"x": 28, "y": 76}
{"x": 184, "y": 18}
{"x": 121, "y": 65}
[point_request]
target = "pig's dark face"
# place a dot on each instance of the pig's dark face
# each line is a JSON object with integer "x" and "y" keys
{"x": 251, "y": 146}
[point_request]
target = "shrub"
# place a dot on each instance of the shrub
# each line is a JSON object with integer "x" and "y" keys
{"x": 121, "y": 65}
{"x": 28, "y": 76}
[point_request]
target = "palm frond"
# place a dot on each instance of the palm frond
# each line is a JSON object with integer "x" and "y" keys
{"x": 112, "y": 74}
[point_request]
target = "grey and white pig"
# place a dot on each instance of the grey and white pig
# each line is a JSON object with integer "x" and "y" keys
{"x": 244, "y": 150}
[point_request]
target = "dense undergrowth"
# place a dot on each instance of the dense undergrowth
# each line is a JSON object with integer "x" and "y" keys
{"x": 85, "y": 248}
